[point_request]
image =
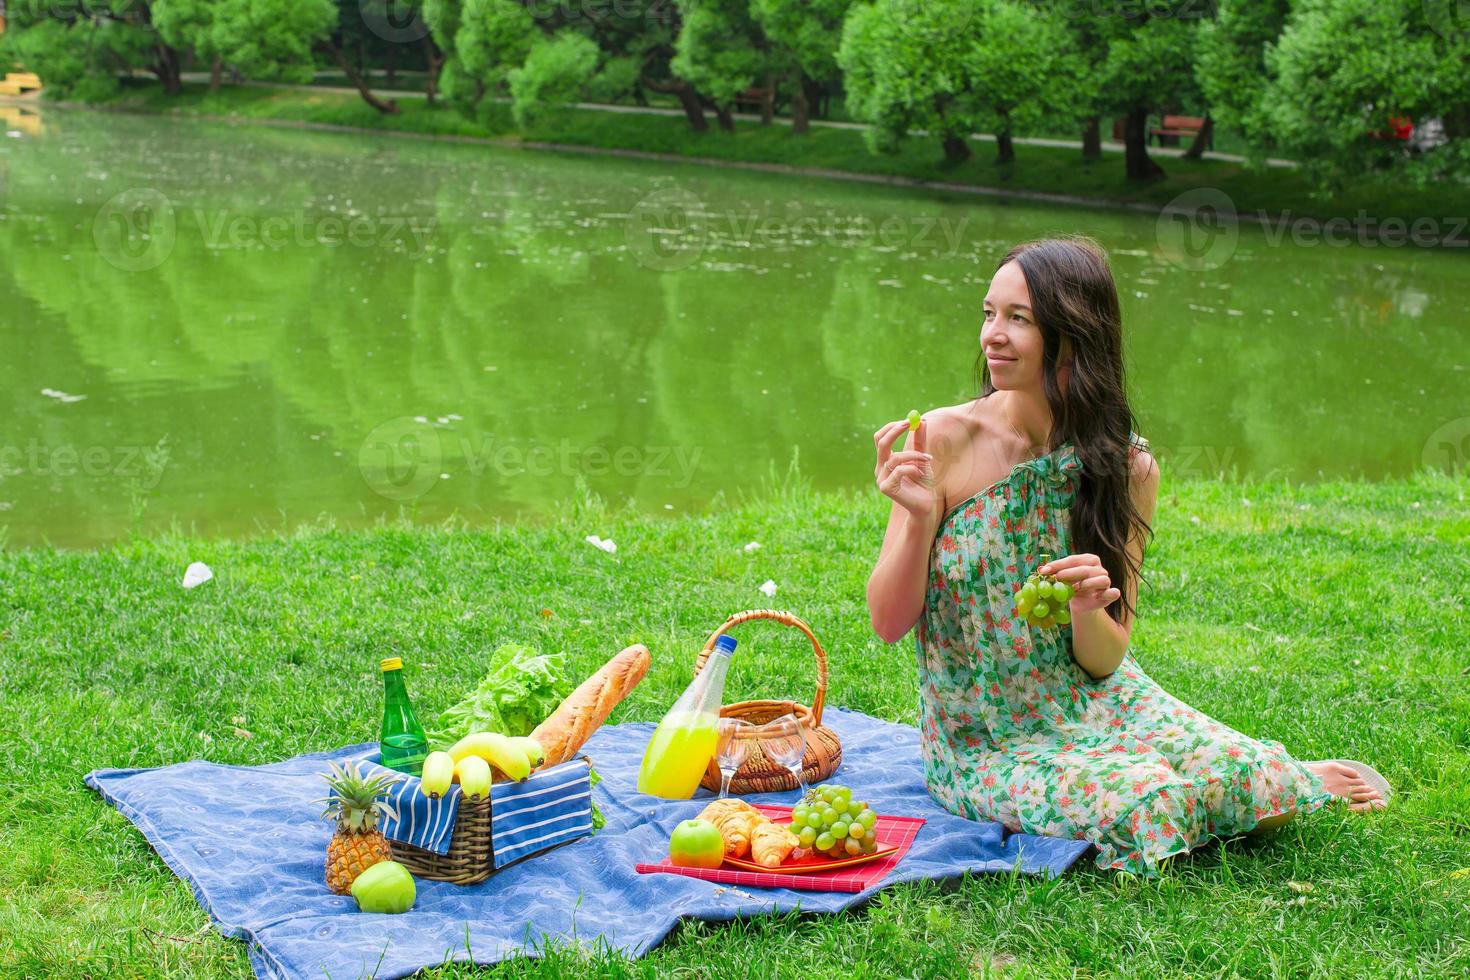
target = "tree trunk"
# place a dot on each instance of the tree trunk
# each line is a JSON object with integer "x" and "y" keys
{"x": 956, "y": 149}
{"x": 1005, "y": 149}
{"x": 1139, "y": 165}
{"x": 816, "y": 97}
{"x": 726, "y": 121}
{"x": 800, "y": 121}
{"x": 166, "y": 67}
{"x": 1092, "y": 140}
{"x": 1202, "y": 140}
{"x": 216, "y": 71}
{"x": 688, "y": 99}
{"x": 387, "y": 107}
{"x": 768, "y": 99}
{"x": 434, "y": 60}
{"x": 390, "y": 80}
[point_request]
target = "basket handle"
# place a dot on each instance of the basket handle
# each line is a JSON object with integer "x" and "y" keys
{"x": 785, "y": 619}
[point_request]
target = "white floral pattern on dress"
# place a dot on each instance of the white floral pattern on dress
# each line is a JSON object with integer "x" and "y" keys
{"x": 1015, "y": 730}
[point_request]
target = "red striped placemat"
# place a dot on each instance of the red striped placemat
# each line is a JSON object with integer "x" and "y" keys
{"x": 893, "y": 831}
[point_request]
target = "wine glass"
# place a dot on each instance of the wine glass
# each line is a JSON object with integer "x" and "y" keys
{"x": 730, "y": 749}
{"x": 785, "y": 744}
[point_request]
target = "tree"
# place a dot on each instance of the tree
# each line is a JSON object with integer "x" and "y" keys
{"x": 1230, "y": 63}
{"x": 484, "y": 41}
{"x": 722, "y": 51}
{"x": 82, "y": 49}
{"x": 951, "y": 67}
{"x": 556, "y": 71}
{"x": 1342, "y": 70}
{"x": 808, "y": 32}
{"x": 259, "y": 38}
{"x": 1149, "y": 65}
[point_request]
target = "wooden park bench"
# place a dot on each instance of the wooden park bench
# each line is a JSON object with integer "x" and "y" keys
{"x": 19, "y": 82}
{"x": 1175, "y": 127}
{"x": 750, "y": 100}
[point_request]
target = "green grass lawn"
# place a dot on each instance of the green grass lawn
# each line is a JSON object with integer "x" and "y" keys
{"x": 1036, "y": 169}
{"x": 1331, "y": 617}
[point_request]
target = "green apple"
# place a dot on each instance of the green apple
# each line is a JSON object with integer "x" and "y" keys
{"x": 385, "y": 887}
{"x": 697, "y": 844}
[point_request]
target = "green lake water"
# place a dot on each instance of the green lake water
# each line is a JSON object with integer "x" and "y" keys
{"x": 234, "y": 329}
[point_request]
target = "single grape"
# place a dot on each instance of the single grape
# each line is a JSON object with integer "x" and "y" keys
{"x": 1040, "y": 611}
{"x": 867, "y": 819}
{"x": 839, "y": 829}
{"x": 856, "y": 830}
{"x": 1023, "y": 605}
{"x": 857, "y": 807}
{"x": 853, "y": 847}
{"x": 1048, "y": 623}
{"x": 825, "y": 842}
{"x": 840, "y": 805}
{"x": 1043, "y": 591}
{"x": 914, "y": 418}
{"x": 870, "y": 835}
{"x": 829, "y": 816}
{"x": 869, "y": 845}
{"x": 1061, "y": 593}
{"x": 798, "y": 813}
{"x": 814, "y": 820}
{"x": 808, "y": 837}
{"x": 1028, "y": 591}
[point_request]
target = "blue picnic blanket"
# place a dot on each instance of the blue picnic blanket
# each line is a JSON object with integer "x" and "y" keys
{"x": 249, "y": 840}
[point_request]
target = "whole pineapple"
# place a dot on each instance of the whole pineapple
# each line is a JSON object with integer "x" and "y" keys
{"x": 357, "y": 845}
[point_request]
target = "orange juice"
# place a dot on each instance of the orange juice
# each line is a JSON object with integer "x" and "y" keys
{"x": 678, "y": 755}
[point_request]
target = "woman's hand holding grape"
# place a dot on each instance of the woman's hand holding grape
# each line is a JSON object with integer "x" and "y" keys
{"x": 906, "y": 477}
{"x": 1090, "y": 584}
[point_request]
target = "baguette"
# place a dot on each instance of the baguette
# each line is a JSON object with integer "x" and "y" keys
{"x": 586, "y": 708}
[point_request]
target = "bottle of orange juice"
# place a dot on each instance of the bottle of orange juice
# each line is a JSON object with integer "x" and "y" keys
{"x": 684, "y": 742}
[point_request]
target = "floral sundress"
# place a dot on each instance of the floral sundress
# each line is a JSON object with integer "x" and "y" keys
{"x": 1015, "y": 730}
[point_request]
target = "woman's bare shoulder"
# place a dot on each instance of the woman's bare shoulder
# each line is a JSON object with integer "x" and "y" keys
{"x": 955, "y": 420}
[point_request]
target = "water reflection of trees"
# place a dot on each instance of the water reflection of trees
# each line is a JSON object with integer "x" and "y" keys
{"x": 524, "y": 312}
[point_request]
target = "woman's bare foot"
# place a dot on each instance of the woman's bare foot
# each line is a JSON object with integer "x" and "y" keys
{"x": 1344, "y": 781}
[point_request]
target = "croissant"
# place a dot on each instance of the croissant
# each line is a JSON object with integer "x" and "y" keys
{"x": 772, "y": 843}
{"x": 736, "y": 821}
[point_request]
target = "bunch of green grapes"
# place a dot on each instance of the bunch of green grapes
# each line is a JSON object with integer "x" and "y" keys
{"x": 1043, "y": 600}
{"x": 829, "y": 821}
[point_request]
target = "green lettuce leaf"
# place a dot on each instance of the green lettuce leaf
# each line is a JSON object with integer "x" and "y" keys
{"x": 519, "y": 691}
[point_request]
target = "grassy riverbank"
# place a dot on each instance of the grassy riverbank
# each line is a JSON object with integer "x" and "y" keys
{"x": 1328, "y": 617}
{"x": 1280, "y": 193}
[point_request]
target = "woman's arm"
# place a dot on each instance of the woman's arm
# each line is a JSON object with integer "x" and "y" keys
{"x": 1098, "y": 641}
{"x": 896, "y": 586}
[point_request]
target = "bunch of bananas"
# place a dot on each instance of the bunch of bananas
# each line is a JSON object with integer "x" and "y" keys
{"x": 469, "y": 761}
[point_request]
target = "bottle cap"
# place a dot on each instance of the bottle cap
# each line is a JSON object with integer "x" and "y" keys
{"x": 726, "y": 643}
{"x": 391, "y": 663}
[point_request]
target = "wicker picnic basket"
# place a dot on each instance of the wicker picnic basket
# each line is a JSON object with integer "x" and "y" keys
{"x": 471, "y": 856}
{"x": 758, "y": 773}
{"x": 468, "y": 861}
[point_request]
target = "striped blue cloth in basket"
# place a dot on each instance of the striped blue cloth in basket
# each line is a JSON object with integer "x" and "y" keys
{"x": 552, "y": 807}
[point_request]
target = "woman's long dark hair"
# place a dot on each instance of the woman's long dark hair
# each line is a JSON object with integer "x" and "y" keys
{"x": 1073, "y": 298}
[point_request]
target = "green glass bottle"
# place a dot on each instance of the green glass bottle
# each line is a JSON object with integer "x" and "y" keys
{"x": 402, "y": 742}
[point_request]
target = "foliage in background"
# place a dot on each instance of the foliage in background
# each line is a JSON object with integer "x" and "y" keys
{"x": 1343, "y": 70}
{"x": 1322, "y": 82}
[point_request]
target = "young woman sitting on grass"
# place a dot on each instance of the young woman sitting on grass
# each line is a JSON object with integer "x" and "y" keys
{"x": 1058, "y": 731}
